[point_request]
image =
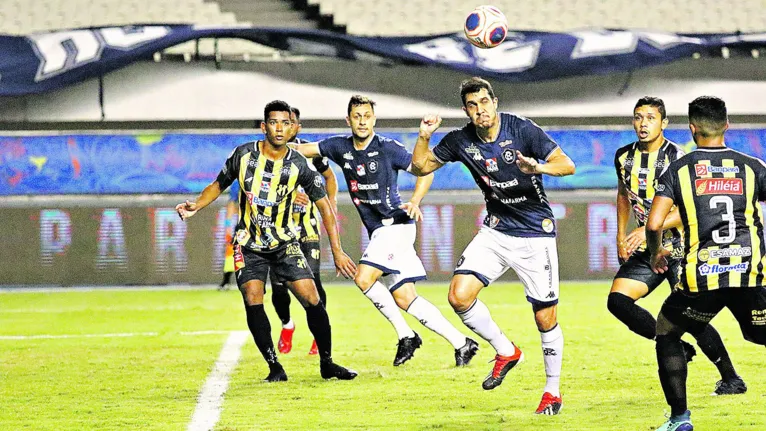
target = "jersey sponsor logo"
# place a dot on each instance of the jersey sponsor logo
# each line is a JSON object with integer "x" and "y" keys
{"x": 718, "y": 186}
{"x": 372, "y": 154}
{"x": 298, "y": 208}
{"x": 268, "y": 175}
{"x": 715, "y": 269}
{"x": 509, "y": 155}
{"x": 643, "y": 170}
{"x": 263, "y": 221}
{"x": 705, "y": 254}
{"x": 252, "y": 163}
{"x": 505, "y": 143}
{"x": 372, "y": 166}
{"x": 358, "y": 201}
{"x": 491, "y": 165}
{"x": 348, "y": 156}
{"x": 705, "y": 170}
{"x": 252, "y": 200}
{"x": 286, "y": 170}
{"x": 511, "y": 201}
{"x": 475, "y": 152}
{"x": 548, "y": 225}
{"x": 346, "y": 166}
{"x": 355, "y": 186}
{"x": 659, "y": 164}
{"x": 265, "y": 186}
{"x": 657, "y": 186}
{"x": 642, "y": 183}
{"x": 360, "y": 170}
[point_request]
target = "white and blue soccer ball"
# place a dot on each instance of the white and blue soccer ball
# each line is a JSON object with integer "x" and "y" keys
{"x": 486, "y": 27}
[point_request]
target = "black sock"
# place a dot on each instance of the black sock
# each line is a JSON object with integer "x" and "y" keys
{"x": 672, "y": 370}
{"x": 319, "y": 324}
{"x": 636, "y": 318}
{"x": 280, "y": 297}
{"x": 712, "y": 345}
{"x": 320, "y": 289}
{"x": 260, "y": 327}
{"x": 226, "y": 278}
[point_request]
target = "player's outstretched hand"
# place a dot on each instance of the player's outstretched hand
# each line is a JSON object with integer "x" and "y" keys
{"x": 301, "y": 199}
{"x": 186, "y": 209}
{"x": 659, "y": 261}
{"x": 528, "y": 165}
{"x": 634, "y": 239}
{"x": 413, "y": 210}
{"x": 344, "y": 265}
{"x": 429, "y": 124}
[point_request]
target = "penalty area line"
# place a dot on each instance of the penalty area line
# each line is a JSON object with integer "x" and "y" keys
{"x": 209, "y": 402}
{"x": 108, "y": 335}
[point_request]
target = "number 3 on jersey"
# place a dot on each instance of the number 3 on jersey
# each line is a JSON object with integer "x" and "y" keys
{"x": 727, "y": 216}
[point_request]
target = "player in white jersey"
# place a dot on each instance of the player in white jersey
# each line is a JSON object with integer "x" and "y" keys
{"x": 502, "y": 151}
{"x": 389, "y": 266}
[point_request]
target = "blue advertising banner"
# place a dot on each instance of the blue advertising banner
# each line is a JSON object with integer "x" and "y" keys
{"x": 46, "y": 61}
{"x": 186, "y": 163}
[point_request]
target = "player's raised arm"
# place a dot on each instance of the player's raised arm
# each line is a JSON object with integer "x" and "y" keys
{"x": 423, "y": 160}
{"x": 343, "y": 263}
{"x": 307, "y": 150}
{"x": 558, "y": 164}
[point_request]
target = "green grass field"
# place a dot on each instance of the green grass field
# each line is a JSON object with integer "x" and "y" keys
{"x": 151, "y": 380}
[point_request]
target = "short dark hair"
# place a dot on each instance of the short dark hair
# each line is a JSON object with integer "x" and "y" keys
{"x": 358, "y": 100}
{"x": 474, "y": 85}
{"x": 708, "y": 115}
{"x": 654, "y": 102}
{"x": 275, "y": 106}
{"x": 296, "y": 111}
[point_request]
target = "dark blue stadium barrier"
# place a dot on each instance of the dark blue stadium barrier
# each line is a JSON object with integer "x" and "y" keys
{"x": 185, "y": 163}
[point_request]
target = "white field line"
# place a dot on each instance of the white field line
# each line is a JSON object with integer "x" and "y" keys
{"x": 208, "y": 409}
{"x": 112, "y": 335}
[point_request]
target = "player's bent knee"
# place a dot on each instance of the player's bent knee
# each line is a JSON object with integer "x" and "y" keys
{"x": 405, "y": 295}
{"x": 616, "y": 301}
{"x": 667, "y": 328}
{"x": 460, "y": 299}
{"x": 545, "y": 318}
{"x": 364, "y": 283}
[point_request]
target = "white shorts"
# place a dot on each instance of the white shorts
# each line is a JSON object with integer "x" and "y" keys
{"x": 392, "y": 250}
{"x": 535, "y": 261}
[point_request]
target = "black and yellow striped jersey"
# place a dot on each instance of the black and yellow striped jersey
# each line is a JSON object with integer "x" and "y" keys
{"x": 717, "y": 192}
{"x": 307, "y": 217}
{"x": 638, "y": 171}
{"x": 267, "y": 193}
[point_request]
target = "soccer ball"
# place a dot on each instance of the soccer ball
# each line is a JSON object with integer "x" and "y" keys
{"x": 486, "y": 27}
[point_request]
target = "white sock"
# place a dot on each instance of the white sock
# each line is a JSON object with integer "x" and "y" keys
{"x": 289, "y": 325}
{"x": 384, "y": 302}
{"x": 478, "y": 319}
{"x": 433, "y": 319}
{"x": 553, "y": 349}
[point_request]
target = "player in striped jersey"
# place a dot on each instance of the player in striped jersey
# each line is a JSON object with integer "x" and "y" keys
{"x": 306, "y": 216}
{"x": 717, "y": 192}
{"x": 638, "y": 167}
{"x": 269, "y": 174}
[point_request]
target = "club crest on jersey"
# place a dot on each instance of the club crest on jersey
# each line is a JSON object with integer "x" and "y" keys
{"x": 509, "y": 155}
{"x": 354, "y": 186}
{"x": 493, "y": 221}
{"x": 373, "y": 166}
{"x": 475, "y": 152}
{"x": 491, "y": 164}
{"x": 281, "y": 190}
{"x": 348, "y": 156}
{"x": 718, "y": 186}
{"x": 317, "y": 180}
{"x": 360, "y": 170}
{"x": 265, "y": 186}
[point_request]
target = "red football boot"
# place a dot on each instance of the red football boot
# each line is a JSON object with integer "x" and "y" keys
{"x": 285, "y": 343}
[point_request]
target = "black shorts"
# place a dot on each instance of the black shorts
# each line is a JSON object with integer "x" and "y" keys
{"x": 311, "y": 251}
{"x": 638, "y": 268}
{"x": 692, "y": 311}
{"x": 286, "y": 262}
